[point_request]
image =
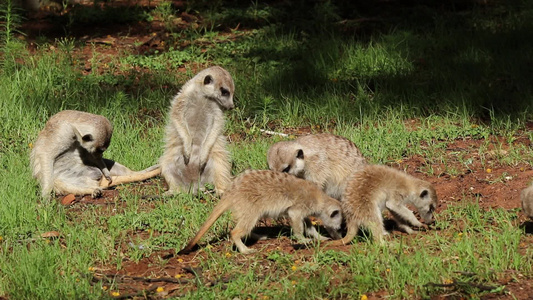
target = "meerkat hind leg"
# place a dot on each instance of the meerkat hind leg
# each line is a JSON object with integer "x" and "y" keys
{"x": 242, "y": 228}
{"x": 63, "y": 187}
{"x": 221, "y": 166}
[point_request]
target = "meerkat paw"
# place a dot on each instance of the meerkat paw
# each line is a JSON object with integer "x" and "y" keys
{"x": 323, "y": 238}
{"x": 405, "y": 228}
{"x": 171, "y": 192}
{"x": 97, "y": 193}
{"x": 304, "y": 240}
{"x": 247, "y": 250}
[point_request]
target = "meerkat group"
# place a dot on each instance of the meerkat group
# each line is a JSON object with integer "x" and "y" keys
{"x": 321, "y": 175}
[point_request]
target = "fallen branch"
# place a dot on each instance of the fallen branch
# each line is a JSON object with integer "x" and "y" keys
{"x": 122, "y": 278}
{"x": 273, "y": 133}
{"x": 462, "y": 284}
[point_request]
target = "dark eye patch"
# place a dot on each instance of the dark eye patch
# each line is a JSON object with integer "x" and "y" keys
{"x": 431, "y": 208}
{"x": 287, "y": 169}
{"x": 334, "y": 214}
{"x": 208, "y": 79}
{"x": 224, "y": 92}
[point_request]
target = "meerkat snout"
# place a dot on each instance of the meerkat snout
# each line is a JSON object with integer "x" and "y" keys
{"x": 426, "y": 204}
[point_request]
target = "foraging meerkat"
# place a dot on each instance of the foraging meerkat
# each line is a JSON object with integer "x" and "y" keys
{"x": 264, "y": 193}
{"x": 325, "y": 159}
{"x": 195, "y": 149}
{"x": 527, "y": 200}
{"x": 376, "y": 188}
{"x": 67, "y": 156}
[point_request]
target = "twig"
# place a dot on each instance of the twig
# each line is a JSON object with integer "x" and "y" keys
{"x": 273, "y": 133}
{"x": 122, "y": 278}
{"x": 458, "y": 284}
{"x": 138, "y": 294}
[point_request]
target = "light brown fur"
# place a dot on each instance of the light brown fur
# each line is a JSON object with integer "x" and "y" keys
{"x": 67, "y": 156}
{"x": 257, "y": 194}
{"x": 376, "y": 188}
{"x": 195, "y": 149}
{"x": 527, "y": 201}
{"x": 325, "y": 159}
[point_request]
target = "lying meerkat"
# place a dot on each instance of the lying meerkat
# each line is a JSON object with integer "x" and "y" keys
{"x": 325, "y": 159}
{"x": 264, "y": 193}
{"x": 527, "y": 201}
{"x": 67, "y": 156}
{"x": 376, "y": 188}
{"x": 195, "y": 149}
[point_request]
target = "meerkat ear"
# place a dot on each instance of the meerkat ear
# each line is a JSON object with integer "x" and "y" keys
{"x": 208, "y": 79}
{"x": 424, "y": 193}
{"x": 87, "y": 137}
{"x": 300, "y": 154}
{"x": 334, "y": 214}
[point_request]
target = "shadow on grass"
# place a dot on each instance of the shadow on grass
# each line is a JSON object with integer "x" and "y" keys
{"x": 430, "y": 57}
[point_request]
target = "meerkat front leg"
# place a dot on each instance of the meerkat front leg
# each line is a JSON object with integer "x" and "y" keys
{"x": 185, "y": 137}
{"x": 103, "y": 168}
{"x": 403, "y": 212}
{"x": 310, "y": 230}
{"x": 297, "y": 225}
{"x": 221, "y": 166}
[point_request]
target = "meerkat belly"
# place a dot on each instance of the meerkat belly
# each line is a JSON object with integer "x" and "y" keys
{"x": 69, "y": 166}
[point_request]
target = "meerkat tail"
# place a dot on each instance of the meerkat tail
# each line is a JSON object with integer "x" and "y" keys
{"x": 221, "y": 207}
{"x": 347, "y": 239}
{"x": 122, "y": 179}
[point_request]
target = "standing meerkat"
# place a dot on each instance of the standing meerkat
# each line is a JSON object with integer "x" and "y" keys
{"x": 376, "y": 188}
{"x": 527, "y": 201}
{"x": 195, "y": 149}
{"x": 325, "y": 159}
{"x": 264, "y": 193}
{"x": 67, "y": 156}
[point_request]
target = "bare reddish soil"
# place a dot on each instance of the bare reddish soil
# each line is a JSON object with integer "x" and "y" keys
{"x": 492, "y": 183}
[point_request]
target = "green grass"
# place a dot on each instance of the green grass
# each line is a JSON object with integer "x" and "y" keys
{"x": 358, "y": 71}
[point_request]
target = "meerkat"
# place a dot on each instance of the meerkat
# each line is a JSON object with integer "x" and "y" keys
{"x": 527, "y": 201}
{"x": 376, "y": 188}
{"x": 325, "y": 159}
{"x": 264, "y": 193}
{"x": 67, "y": 156}
{"x": 195, "y": 149}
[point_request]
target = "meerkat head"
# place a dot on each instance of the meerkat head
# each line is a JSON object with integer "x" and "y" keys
{"x": 425, "y": 201}
{"x": 331, "y": 214}
{"x": 287, "y": 157}
{"x": 95, "y": 142}
{"x": 217, "y": 85}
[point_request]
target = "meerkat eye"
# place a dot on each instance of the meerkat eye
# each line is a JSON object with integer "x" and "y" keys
{"x": 208, "y": 79}
{"x": 431, "y": 208}
{"x": 424, "y": 193}
{"x": 87, "y": 138}
{"x": 224, "y": 92}
{"x": 334, "y": 214}
{"x": 287, "y": 169}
